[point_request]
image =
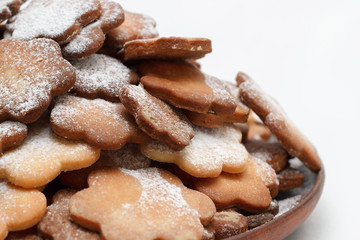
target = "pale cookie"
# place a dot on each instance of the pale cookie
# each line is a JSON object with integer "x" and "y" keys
{"x": 43, "y": 155}
{"x": 211, "y": 120}
{"x": 135, "y": 26}
{"x": 20, "y": 208}
{"x": 210, "y": 152}
{"x": 184, "y": 86}
{"x": 141, "y": 204}
{"x": 278, "y": 122}
{"x": 60, "y": 20}
{"x": 165, "y": 48}
{"x": 158, "y": 119}
{"x": 268, "y": 175}
{"x": 269, "y": 152}
{"x": 9, "y": 8}
{"x": 98, "y": 122}
{"x": 129, "y": 157}
{"x": 101, "y": 76}
{"x": 290, "y": 178}
{"x": 247, "y": 190}
{"x": 57, "y": 224}
{"x": 258, "y": 131}
{"x": 31, "y": 73}
{"x": 227, "y": 224}
{"x": 12, "y": 134}
{"x": 91, "y": 38}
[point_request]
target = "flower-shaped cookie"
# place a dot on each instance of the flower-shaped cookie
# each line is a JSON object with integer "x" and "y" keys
{"x": 183, "y": 85}
{"x": 31, "y": 72}
{"x": 19, "y": 208}
{"x": 43, "y": 155}
{"x": 12, "y": 134}
{"x": 210, "y": 152}
{"x": 101, "y": 123}
{"x": 141, "y": 204}
{"x": 155, "y": 117}
{"x": 278, "y": 122}
{"x": 60, "y": 20}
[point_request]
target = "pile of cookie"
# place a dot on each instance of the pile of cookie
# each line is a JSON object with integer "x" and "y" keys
{"x": 109, "y": 131}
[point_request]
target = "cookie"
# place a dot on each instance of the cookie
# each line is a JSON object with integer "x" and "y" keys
{"x": 101, "y": 76}
{"x": 141, "y": 204}
{"x": 258, "y": 131}
{"x": 42, "y": 156}
{"x": 31, "y": 73}
{"x": 98, "y": 122}
{"x": 211, "y": 120}
{"x": 91, "y": 38}
{"x": 226, "y": 224}
{"x": 290, "y": 178}
{"x": 184, "y": 86}
{"x": 269, "y": 152}
{"x": 57, "y": 225}
{"x": 210, "y": 152}
{"x": 20, "y": 208}
{"x": 259, "y": 219}
{"x": 60, "y": 20}
{"x": 165, "y": 48}
{"x": 8, "y": 8}
{"x": 128, "y": 157}
{"x": 156, "y": 118}
{"x": 268, "y": 176}
{"x": 135, "y": 26}
{"x": 12, "y": 134}
{"x": 247, "y": 190}
{"x": 278, "y": 123}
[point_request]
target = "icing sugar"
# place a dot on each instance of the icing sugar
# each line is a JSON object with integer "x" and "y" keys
{"x": 288, "y": 203}
{"x": 221, "y": 93}
{"x": 49, "y": 18}
{"x": 9, "y": 128}
{"x": 101, "y": 73}
{"x": 265, "y": 171}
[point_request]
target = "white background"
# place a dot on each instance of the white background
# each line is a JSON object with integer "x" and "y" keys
{"x": 307, "y": 55}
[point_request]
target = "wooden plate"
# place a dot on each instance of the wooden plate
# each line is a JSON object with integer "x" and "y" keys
{"x": 295, "y": 206}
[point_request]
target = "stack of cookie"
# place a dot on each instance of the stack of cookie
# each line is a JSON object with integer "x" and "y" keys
{"x": 109, "y": 131}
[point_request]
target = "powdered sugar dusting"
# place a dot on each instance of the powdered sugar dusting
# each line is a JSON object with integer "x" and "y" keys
{"x": 9, "y": 128}
{"x": 265, "y": 171}
{"x": 101, "y": 73}
{"x": 221, "y": 93}
{"x": 51, "y": 18}
{"x": 287, "y": 204}
{"x": 4, "y": 8}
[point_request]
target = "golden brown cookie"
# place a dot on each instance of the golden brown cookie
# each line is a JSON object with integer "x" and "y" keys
{"x": 247, "y": 190}
{"x": 12, "y": 134}
{"x": 269, "y": 152}
{"x": 57, "y": 224}
{"x": 101, "y": 76}
{"x": 268, "y": 175}
{"x": 135, "y": 26}
{"x": 184, "y": 86}
{"x": 91, "y": 38}
{"x": 100, "y": 123}
{"x": 143, "y": 204}
{"x": 43, "y": 155}
{"x": 259, "y": 219}
{"x": 278, "y": 122}
{"x": 31, "y": 73}
{"x": 226, "y": 224}
{"x": 60, "y": 20}
{"x": 210, "y": 152}
{"x": 20, "y": 208}
{"x": 165, "y": 48}
{"x": 158, "y": 119}
{"x": 129, "y": 157}
{"x": 290, "y": 178}
{"x": 9, "y": 8}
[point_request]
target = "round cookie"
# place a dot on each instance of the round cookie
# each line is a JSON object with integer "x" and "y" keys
{"x": 101, "y": 76}
{"x": 158, "y": 119}
{"x": 138, "y": 204}
{"x": 91, "y": 38}
{"x": 12, "y": 134}
{"x": 165, "y": 48}
{"x": 278, "y": 122}
{"x": 20, "y": 208}
{"x": 184, "y": 86}
{"x": 135, "y": 26}
{"x": 210, "y": 152}
{"x": 100, "y": 123}
{"x": 31, "y": 73}
{"x": 60, "y": 20}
